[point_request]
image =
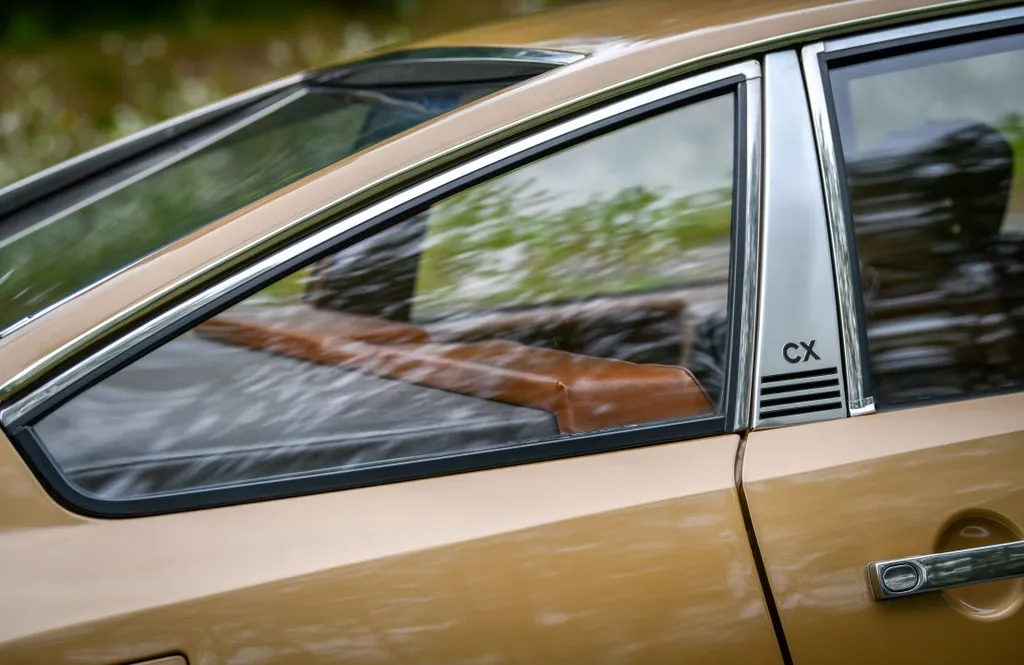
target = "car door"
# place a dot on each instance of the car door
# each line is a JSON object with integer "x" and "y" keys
{"x": 893, "y": 535}
{"x": 301, "y": 463}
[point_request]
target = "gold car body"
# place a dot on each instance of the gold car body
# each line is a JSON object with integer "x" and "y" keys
{"x": 748, "y": 547}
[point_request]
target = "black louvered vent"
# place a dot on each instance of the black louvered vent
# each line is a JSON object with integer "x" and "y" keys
{"x": 798, "y": 393}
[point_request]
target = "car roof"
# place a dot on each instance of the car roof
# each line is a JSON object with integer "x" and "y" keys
{"x": 628, "y": 44}
{"x": 596, "y": 26}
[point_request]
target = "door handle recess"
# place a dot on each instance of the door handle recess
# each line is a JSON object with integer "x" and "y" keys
{"x": 934, "y": 572}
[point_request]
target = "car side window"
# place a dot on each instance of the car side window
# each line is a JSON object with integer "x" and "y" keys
{"x": 584, "y": 291}
{"x": 933, "y": 148}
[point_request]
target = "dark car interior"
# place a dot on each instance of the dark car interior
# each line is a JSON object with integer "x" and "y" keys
{"x": 941, "y": 276}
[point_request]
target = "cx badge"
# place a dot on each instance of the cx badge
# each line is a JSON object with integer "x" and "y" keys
{"x": 799, "y": 353}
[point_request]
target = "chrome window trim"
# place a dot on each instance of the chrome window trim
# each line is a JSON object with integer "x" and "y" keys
{"x": 258, "y": 103}
{"x": 22, "y": 410}
{"x": 855, "y": 364}
{"x": 750, "y": 279}
{"x": 857, "y": 399}
{"x": 927, "y": 29}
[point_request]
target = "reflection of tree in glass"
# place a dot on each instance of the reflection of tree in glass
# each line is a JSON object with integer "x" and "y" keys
{"x": 506, "y": 244}
{"x": 102, "y": 237}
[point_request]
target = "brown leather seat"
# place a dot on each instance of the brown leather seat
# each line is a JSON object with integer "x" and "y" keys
{"x": 584, "y": 393}
{"x": 305, "y": 326}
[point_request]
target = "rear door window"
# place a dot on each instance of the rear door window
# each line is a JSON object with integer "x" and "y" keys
{"x": 933, "y": 142}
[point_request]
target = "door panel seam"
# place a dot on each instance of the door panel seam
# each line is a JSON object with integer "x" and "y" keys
{"x": 762, "y": 571}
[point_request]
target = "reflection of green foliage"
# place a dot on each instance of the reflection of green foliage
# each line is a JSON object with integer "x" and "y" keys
{"x": 503, "y": 243}
{"x": 103, "y": 237}
{"x": 287, "y": 290}
{"x": 1012, "y": 127}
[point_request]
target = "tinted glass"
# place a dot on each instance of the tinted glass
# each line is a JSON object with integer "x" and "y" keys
{"x": 629, "y": 213}
{"x": 934, "y": 150}
{"x": 46, "y": 259}
{"x": 469, "y": 326}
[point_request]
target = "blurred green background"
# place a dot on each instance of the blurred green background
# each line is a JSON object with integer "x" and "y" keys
{"x": 74, "y": 75}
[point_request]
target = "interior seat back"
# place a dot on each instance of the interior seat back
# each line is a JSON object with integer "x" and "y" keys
{"x": 585, "y": 393}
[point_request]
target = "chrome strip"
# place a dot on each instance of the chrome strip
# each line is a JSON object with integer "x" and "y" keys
{"x": 858, "y": 401}
{"x": 751, "y": 260}
{"x": 20, "y": 410}
{"x": 923, "y": 29}
{"x": 946, "y": 570}
{"x": 867, "y": 407}
{"x": 60, "y": 175}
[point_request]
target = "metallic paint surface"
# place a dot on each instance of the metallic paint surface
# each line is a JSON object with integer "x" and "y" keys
{"x": 637, "y": 556}
{"x": 828, "y": 498}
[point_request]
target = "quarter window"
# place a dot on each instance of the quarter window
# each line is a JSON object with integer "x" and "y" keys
{"x": 933, "y": 143}
{"x": 585, "y": 291}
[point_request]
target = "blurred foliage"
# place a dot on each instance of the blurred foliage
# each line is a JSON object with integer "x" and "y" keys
{"x": 29, "y": 23}
{"x": 131, "y": 222}
{"x": 501, "y": 244}
{"x": 32, "y": 23}
{"x": 76, "y": 75}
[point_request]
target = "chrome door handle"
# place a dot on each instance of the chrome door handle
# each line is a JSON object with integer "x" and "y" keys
{"x": 935, "y": 572}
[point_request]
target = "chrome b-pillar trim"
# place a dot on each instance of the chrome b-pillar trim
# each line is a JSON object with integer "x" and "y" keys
{"x": 799, "y": 349}
{"x": 746, "y": 358}
{"x": 859, "y": 402}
